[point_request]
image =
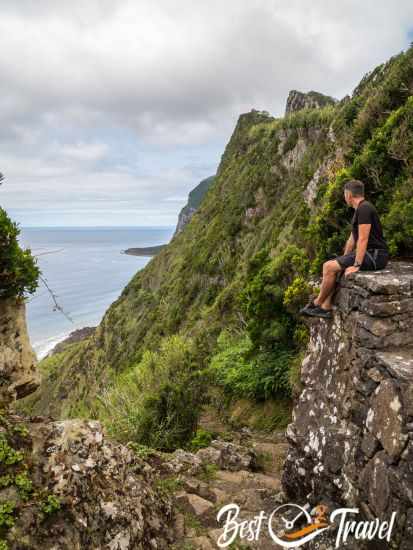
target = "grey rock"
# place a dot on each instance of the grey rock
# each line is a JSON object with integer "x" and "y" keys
{"x": 297, "y": 101}
{"x": 349, "y": 438}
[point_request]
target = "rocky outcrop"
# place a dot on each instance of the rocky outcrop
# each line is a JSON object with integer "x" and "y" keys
{"x": 324, "y": 172}
{"x": 18, "y": 376}
{"x": 351, "y": 438}
{"x": 297, "y": 101}
{"x": 64, "y": 486}
{"x": 293, "y": 144}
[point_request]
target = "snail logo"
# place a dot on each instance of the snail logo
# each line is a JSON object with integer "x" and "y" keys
{"x": 291, "y": 535}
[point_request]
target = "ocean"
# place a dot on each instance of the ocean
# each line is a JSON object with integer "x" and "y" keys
{"x": 86, "y": 270}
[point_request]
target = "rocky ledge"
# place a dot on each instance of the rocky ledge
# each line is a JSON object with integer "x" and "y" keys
{"x": 63, "y": 486}
{"x": 351, "y": 437}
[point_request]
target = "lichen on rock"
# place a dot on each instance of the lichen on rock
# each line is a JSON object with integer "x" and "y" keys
{"x": 351, "y": 435}
{"x": 63, "y": 485}
{"x": 80, "y": 490}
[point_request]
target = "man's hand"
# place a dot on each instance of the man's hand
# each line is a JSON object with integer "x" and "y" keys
{"x": 350, "y": 270}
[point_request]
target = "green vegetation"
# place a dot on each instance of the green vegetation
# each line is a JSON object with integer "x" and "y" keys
{"x": 8, "y": 455}
{"x": 197, "y": 194}
{"x": 157, "y": 402}
{"x": 18, "y": 272}
{"x": 7, "y": 510}
{"x": 208, "y": 472}
{"x": 24, "y": 485}
{"x": 218, "y": 305}
{"x": 201, "y": 439}
{"x": 15, "y": 476}
{"x": 51, "y": 505}
{"x": 243, "y": 373}
{"x": 169, "y": 485}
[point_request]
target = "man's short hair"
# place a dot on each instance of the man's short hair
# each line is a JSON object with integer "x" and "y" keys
{"x": 356, "y": 188}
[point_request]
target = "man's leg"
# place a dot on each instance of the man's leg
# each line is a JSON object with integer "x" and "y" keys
{"x": 328, "y": 285}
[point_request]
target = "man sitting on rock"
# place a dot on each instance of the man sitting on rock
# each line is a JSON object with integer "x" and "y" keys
{"x": 365, "y": 249}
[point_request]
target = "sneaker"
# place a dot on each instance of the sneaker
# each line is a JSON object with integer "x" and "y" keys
{"x": 310, "y": 305}
{"x": 318, "y": 311}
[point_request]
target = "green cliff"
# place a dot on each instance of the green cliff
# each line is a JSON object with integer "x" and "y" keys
{"x": 217, "y": 307}
{"x": 194, "y": 200}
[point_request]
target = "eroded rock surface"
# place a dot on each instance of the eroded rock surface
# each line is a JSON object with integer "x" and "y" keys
{"x": 312, "y": 100}
{"x": 18, "y": 376}
{"x": 351, "y": 438}
{"x": 66, "y": 487}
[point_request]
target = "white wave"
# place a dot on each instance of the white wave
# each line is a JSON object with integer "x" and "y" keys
{"x": 43, "y": 347}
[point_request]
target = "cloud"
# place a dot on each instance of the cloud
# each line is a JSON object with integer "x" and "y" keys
{"x": 121, "y": 91}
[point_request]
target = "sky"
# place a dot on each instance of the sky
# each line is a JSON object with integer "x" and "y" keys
{"x": 112, "y": 111}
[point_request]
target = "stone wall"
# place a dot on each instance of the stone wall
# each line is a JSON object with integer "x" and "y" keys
{"x": 351, "y": 438}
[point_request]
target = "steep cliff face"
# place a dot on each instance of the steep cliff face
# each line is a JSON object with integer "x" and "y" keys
{"x": 194, "y": 200}
{"x": 312, "y": 100}
{"x": 17, "y": 360}
{"x": 351, "y": 438}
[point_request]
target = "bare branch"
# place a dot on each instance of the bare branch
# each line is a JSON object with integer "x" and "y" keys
{"x": 57, "y": 306}
{"x": 49, "y": 252}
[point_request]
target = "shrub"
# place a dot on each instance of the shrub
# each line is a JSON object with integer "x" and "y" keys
{"x": 18, "y": 269}
{"x": 269, "y": 323}
{"x": 157, "y": 403}
{"x": 202, "y": 439}
{"x": 384, "y": 164}
{"x": 296, "y": 294}
{"x": 398, "y": 223}
{"x": 244, "y": 373}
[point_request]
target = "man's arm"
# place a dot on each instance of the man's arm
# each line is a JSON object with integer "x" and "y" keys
{"x": 364, "y": 232}
{"x": 349, "y": 247}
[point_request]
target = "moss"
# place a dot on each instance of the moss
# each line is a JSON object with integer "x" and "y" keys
{"x": 7, "y": 511}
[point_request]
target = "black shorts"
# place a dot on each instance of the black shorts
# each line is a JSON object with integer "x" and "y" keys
{"x": 371, "y": 261}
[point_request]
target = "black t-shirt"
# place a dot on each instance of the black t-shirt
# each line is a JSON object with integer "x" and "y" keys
{"x": 367, "y": 214}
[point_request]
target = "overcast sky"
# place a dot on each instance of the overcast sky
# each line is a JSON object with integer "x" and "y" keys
{"x": 112, "y": 111}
